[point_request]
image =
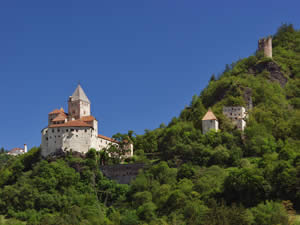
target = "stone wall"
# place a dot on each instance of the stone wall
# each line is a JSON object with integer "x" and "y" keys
{"x": 123, "y": 173}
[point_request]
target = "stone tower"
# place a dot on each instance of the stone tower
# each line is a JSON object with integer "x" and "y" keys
{"x": 265, "y": 45}
{"x": 79, "y": 104}
{"x": 209, "y": 122}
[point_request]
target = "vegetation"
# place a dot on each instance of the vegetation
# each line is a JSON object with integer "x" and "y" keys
{"x": 224, "y": 177}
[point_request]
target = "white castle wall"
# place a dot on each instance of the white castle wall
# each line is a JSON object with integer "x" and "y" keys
{"x": 77, "y": 139}
{"x": 67, "y": 138}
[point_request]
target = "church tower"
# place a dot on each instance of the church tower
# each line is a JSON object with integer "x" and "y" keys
{"x": 79, "y": 104}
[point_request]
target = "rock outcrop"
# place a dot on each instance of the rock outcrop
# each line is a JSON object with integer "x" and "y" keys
{"x": 276, "y": 74}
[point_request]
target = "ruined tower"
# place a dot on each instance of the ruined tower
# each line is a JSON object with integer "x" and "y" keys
{"x": 265, "y": 45}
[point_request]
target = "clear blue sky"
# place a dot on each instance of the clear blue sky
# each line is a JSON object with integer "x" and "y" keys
{"x": 139, "y": 62}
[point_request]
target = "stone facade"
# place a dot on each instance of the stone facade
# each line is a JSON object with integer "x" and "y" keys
{"x": 209, "y": 122}
{"x": 75, "y": 131}
{"x": 123, "y": 173}
{"x": 265, "y": 45}
{"x": 237, "y": 114}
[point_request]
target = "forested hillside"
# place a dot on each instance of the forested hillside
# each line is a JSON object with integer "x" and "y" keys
{"x": 225, "y": 177}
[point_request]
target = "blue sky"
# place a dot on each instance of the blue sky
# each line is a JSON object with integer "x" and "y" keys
{"x": 139, "y": 62}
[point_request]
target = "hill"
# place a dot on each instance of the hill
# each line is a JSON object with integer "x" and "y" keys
{"x": 224, "y": 177}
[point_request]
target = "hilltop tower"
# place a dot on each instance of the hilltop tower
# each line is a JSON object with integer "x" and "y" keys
{"x": 79, "y": 104}
{"x": 265, "y": 45}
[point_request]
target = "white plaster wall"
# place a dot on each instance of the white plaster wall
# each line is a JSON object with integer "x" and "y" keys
{"x": 102, "y": 143}
{"x": 85, "y": 108}
{"x": 45, "y": 150}
{"x": 241, "y": 124}
{"x": 129, "y": 149}
{"x": 95, "y": 126}
{"x": 74, "y": 109}
{"x": 237, "y": 116}
{"x": 79, "y": 108}
{"x": 234, "y": 112}
{"x": 77, "y": 139}
{"x": 208, "y": 125}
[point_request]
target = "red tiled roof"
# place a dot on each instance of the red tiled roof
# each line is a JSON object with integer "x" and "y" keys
{"x": 209, "y": 116}
{"x": 88, "y": 118}
{"x": 60, "y": 117}
{"x": 16, "y": 149}
{"x": 73, "y": 123}
{"x": 107, "y": 138}
{"x": 56, "y": 111}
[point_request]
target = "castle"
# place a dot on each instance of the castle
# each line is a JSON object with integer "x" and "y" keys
{"x": 76, "y": 130}
{"x": 236, "y": 114}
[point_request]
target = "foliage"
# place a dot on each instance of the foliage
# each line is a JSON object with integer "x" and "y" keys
{"x": 224, "y": 177}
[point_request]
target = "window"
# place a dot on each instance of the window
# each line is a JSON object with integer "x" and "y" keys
{"x": 67, "y": 130}
{"x": 46, "y": 139}
{"x": 58, "y": 130}
{"x": 72, "y": 129}
{"x": 85, "y": 130}
{"x": 53, "y": 131}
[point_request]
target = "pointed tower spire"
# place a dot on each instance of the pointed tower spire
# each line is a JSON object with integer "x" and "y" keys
{"x": 209, "y": 115}
{"x": 80, "y": 95}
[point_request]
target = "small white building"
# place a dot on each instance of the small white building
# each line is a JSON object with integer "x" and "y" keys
{"x": 237, "y": 114}
{"x": 18, "y": 151}
{"x": 76, "y": 130}
{"x": 209, "y": 122}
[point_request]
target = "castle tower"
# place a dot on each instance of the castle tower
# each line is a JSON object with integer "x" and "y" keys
{"x": 79, "y": 104}
{"x": 209, "y": 122}
{"x": 265, "y": 45}
{"x": 25, "y": 148}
